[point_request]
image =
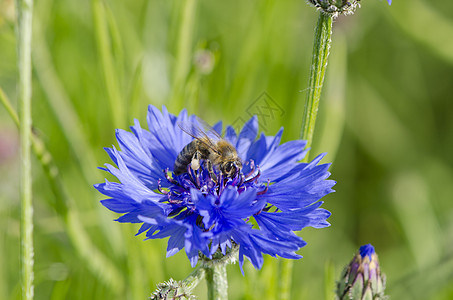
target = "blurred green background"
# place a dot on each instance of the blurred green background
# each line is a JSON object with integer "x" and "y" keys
{"x": 385, "y": 119}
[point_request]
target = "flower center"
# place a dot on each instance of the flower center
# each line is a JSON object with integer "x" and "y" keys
{"x": 209, "y": 183}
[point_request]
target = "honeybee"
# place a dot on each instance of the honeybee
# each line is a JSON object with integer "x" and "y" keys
{"x": 209, "y": 146}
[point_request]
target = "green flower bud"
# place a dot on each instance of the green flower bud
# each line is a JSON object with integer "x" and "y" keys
{"x": 362, "y": 278}
{"x": 172, "y": 289}
{"x": 336, "y": 7}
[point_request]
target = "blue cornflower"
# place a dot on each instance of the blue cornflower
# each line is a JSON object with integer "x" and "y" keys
{"x": 256, "y": 210}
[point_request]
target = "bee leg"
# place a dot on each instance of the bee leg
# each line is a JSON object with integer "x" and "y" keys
{"x": 195, "y": 164}
{"x": 211, "y": 170}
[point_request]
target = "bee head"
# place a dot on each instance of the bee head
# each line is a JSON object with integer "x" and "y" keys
{"x": 230, "y": 168}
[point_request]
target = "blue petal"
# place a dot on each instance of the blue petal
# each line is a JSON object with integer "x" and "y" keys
{"x": 270, "y": 245}
{"x": 145, "y": 227}
{"x": 256, "y": 152}
{"x": 162, "y": 144}
{"x": 218, "y": 127}
{"x": 119, "y": 206}
{"x": 246, "y": 248}
{"x": 230, "y": 135}
{"x": 196, "y": 238}
{"x": 176, "y": 241}
{"x": 293, "y": 220}
{"x": 300, "y": 188}
{"x": 247, "y": 136}
{"x": 242, "y": 205}
{"x": 282, "y": 159}
{"x": 264, "y": 145}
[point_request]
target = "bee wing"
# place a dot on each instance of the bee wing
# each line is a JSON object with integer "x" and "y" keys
{"x": 202, "y": 132}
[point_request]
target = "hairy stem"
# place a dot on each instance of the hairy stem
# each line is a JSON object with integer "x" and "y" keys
{"x": 216, "y": 279}
{"x": 321, "y": 47}
{"x": 194, "y": 278}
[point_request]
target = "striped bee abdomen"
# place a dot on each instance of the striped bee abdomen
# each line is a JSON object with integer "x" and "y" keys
{"x": 185, "y": 158}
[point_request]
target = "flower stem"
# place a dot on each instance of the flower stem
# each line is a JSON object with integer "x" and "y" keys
{"x": 216, "y": 278}
{"x": 321, "y": 47}
{"x": 24, "y": 88}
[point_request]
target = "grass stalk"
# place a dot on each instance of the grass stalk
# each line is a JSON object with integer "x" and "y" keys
{"x": 24, "y": 89}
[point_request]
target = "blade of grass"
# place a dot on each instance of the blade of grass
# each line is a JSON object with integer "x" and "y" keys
{"x": 109, "y": 71}
{"x": 425, "y": 25}
{"x": 285, "y": 279}
{"x": 183, "y": 53}
{"x": 425, "y": 283}
{"x": 366, "y": 119}
{"x": 72, "y": 129}
{"x": 329, "y": 281}
{"x": 136, "y": 90}
{"x": 24, "y": 88}
{"x": 414, "y": 209}
{"x": 62, "y": 106}
{"x": 95, "y": 259}
{"x": 116, "y": 43}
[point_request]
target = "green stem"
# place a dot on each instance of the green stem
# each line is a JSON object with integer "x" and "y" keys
{"x": 216, "y": 279}
{"x": 24, "y": 88}
{"x": 321, "y": 47}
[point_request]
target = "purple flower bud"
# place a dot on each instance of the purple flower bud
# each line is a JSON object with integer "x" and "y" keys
{"x": 362, "y": 278}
